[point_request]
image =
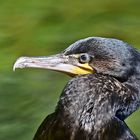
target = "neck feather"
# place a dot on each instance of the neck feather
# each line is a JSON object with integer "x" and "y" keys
{"x": 134, "y": 80}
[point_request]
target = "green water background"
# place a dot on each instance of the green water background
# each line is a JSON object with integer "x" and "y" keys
{"x": 39, "y": 27}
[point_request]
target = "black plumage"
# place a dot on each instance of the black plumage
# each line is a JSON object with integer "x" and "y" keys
{"x": 92, "y": 106}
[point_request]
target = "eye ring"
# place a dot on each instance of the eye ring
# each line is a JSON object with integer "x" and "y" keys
{"x": 84, "y": 58}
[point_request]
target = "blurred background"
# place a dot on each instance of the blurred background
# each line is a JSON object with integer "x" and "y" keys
{"x": 45, "y": 27}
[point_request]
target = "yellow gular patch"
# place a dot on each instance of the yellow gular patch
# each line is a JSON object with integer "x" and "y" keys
{"x": 83, "y": 69}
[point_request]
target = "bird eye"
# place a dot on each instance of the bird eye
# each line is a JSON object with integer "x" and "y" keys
{"x": 84, "y": 58}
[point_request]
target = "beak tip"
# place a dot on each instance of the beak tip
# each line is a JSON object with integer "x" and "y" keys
{"x": 19, "y": 63}
{"x": 14, "y": 67}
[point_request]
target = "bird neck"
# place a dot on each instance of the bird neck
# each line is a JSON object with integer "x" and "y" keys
{"x": 86, "y": 106}
{"x": 78, "y": 107}
{"x": 76, "y": 117}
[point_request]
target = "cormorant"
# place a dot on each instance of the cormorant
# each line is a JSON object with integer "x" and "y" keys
{"x": 104, "y": 91}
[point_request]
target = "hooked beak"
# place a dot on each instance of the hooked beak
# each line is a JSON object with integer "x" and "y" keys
{"x": 59, "y": 62}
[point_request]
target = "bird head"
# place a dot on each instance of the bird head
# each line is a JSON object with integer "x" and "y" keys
{"x": 88, "y": 56}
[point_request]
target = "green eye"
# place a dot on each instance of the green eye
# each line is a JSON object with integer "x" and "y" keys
{"x": 84, "y": 58}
